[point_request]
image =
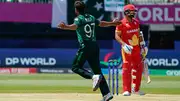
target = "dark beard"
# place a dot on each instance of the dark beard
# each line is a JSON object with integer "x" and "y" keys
{"x": 131, "y": 16}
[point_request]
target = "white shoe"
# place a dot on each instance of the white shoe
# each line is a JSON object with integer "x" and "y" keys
{"x": 126, "y": 93}
{"x": 139, "y": 93}
{"x": 107, "y": 97}
{"x": 96, "y": 81}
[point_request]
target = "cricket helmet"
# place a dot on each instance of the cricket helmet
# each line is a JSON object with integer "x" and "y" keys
{"x": 128, "y": 8}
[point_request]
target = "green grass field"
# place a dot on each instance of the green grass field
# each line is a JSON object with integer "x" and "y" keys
{"x": 72, "y": 83}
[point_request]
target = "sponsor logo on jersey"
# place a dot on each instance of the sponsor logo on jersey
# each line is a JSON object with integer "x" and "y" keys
{"x": 133, "y": 30}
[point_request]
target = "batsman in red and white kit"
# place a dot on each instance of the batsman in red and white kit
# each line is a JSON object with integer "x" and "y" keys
{"x": 128, "y": 35}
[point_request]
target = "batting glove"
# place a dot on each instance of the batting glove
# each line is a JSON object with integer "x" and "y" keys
{"x": 144, "y": 52}
{"x": 127, "y": 48}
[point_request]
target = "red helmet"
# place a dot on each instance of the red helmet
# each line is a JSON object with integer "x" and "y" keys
{"x": 128, "y": 8}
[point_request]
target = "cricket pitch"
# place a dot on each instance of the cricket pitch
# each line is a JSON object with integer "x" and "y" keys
{"x": 82, "y": 97}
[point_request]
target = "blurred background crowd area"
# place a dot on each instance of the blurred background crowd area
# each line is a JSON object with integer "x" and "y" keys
{"x": 28, "y": 1}
{"x": 37, "y": 34}
{"x": 133, "y": 1}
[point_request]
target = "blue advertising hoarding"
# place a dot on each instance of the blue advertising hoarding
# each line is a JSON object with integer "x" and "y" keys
{"x": 38, "y": 57}
{"x": 62, "y": 58}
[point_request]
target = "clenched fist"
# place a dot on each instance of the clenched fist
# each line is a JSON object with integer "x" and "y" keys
{"x": 61, "y": 25}
{"x": 117, "y": 21}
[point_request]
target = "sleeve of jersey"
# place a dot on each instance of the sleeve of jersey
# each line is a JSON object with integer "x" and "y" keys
{"x": 97, "y": 22}
{"x": 76, "y": 21}
{"x": 119, "y": 28}
{"x": 138, "y": 22}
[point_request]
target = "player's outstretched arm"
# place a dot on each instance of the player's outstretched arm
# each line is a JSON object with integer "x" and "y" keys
{"x": 62, "y": 25}
{"x": 106, "y": 23}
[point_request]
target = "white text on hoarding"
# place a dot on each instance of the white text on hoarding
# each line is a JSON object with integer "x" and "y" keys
{"x": 163, "y": 62}
{"x": 30, "y": 61}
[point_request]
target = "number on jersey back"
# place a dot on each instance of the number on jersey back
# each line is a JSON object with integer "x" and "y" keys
{"x": 86, "y": 27}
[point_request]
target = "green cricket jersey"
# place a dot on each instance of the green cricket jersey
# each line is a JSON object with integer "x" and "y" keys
{"x": 86, "y": 28}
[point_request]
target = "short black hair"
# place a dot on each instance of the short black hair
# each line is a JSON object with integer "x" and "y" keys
{"x": 80, "y": 6}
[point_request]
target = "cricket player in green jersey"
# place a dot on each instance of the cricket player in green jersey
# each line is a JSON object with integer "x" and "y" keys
{"x": 85, "y": 25}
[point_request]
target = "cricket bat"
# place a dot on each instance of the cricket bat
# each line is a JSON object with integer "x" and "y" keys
{"x": 146, "y": 72}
